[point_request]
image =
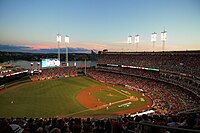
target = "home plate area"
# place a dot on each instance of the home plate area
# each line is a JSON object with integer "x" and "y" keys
{"x": 125, "y": 105}
{"x": 93, "y": 103}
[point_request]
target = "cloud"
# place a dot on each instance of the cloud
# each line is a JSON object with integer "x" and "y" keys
{"x": 29, "y": 49}
{"x": 75, "y": 47}
{"x": 12, "y": 48}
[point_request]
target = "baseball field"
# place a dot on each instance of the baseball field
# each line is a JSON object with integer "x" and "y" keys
{"x": 80, "y": 97}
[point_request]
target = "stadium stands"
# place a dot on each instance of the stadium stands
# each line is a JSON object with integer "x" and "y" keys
{"x": 167, "y": 98}
{"x": 186, "y": 62}
{"x": 178, "y": 71}
{"x": 182, "y": 123}
{"x": 55, "y": 72}
{"x": 170, "y": 79}
{"x": 9, "y": 73}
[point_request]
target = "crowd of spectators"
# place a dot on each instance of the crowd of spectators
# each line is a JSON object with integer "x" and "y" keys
{"x": 185, "y": 82}
{"x": 55, "y": 72}
{"x": 177, "y": 68}
{"x": 10, "y": 73}
{"x": 9, "y": 70}
{"x": 120, "y": 124}
{"x": 136, "y": 72}
{"x": 181, "y": 62}
{"x": 167, "y": 98}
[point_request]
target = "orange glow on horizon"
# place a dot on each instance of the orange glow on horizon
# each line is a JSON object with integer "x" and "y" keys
{"x": 41, "y": 46}
{"x": 115, "y": 46}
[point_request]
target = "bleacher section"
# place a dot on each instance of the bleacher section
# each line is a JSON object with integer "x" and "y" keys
{"x": 171, "y": 79}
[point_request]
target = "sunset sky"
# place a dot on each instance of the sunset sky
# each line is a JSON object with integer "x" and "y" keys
{"x": 100, "y": 24}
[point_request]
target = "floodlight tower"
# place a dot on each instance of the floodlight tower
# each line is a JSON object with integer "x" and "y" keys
{"x": 59, "y": 41}
{"x": 129, "y": 41}
{"x": 137, "y": 40}
{"x": 163, "y": 39}
{"x": 153, "y": 39}
{"x": 67, "y": 42}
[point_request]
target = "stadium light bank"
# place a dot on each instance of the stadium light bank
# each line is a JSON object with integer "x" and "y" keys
{"x": 153, "y": 39}
{"x": 59, "y": 41}
{"x": 66, "y": 43}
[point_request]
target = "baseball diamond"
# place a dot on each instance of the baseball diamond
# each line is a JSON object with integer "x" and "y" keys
{"x": 78, "y": 96}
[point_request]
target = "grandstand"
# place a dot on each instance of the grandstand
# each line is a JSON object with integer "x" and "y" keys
{"x": 9, "y": 72}
{"x": 157, "y": 73}
{"x": 56, "y": 72}
{"x": 170, "y": 79}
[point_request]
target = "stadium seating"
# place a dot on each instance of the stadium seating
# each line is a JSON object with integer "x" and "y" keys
{"x": 55, "y": 72}
{"x": 182, "y": 123}
{"x": 158, "y": 74}
{"x": 174, "y": 87}
{"x": 167, "y": 98}
{"x": 182, "y": 62}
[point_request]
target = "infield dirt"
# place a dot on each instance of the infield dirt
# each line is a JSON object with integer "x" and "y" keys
{"x": 86, "y": 99}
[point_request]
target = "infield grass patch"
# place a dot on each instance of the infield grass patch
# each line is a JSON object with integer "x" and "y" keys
{"x": 108, "y": 96}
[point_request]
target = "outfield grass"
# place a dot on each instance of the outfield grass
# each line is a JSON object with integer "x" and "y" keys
{"x": 52, "y": 98}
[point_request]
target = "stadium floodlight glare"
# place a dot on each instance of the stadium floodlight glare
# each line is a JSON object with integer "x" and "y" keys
{"x": 129, "y": 41}
{"x": 163, "y": 39}
{"x": 59, "y": 38}
{"x": 66, "y": 39}
{"x": 59, "y": 41}
{"x": 137, "y": 40}
{"x": 164, "y": 35}
{"x": 67, "y": 42}
{"x": 153, "y": 38}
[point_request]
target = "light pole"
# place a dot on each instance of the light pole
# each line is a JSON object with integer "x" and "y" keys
{"x": 153, "y": 39}
{"x": 137, "y": 40}
{"x": 163, "y": 39}
{"x": 67, "y": 42}
{"x": 59, "y": 41}
{"x": 129, "y": 41}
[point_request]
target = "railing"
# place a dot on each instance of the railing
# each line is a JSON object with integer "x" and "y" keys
{"x": 152, "y": 128}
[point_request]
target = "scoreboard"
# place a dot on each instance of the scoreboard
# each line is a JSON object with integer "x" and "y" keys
{"x": 50, "y": 63}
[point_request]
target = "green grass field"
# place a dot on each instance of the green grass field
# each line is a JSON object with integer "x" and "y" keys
{"x": 52, "y": 98}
